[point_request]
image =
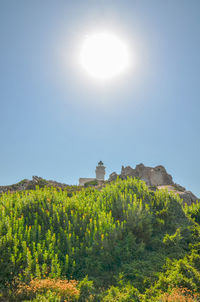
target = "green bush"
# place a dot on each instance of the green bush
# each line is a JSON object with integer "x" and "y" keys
{"x": 92, "y": 183}
{"x": 87, "y": 290}
{"x": 125, "y": 294}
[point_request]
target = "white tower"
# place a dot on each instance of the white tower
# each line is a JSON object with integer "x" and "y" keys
{"x": 100, "y": 171}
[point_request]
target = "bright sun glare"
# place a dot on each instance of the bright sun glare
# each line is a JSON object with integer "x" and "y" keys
{"x": 104, "y": 56}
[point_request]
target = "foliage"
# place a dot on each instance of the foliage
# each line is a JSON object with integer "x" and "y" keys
{"x": 86, "y": 290}
{"x": 91, "y": 183}
{"x": 179, "y": 295}
{"x": 49, "y": 296}
{"x": 61, "y": 289}
{"x": 95, "y": 236}
{"x": 126, "y": 293}
{"x": 194, "y": 211}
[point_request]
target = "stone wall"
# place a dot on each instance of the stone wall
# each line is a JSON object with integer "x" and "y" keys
{"x": 82, "y": 181}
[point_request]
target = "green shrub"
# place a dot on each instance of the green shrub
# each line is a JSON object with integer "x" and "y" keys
{"x": 87, "y": 291}
{"x": 125, "y": 294}
{"x": 92, "y": 183}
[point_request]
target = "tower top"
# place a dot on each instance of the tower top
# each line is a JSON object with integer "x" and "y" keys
{"x": 100, "y": 163}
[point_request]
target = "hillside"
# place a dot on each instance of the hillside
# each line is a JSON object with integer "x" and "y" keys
{"x": 39, "y": 182}
{"x": 156, "y": 178}
{"x": 121, "y": 243}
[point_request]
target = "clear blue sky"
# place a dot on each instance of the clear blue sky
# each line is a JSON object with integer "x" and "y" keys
{"x": 57, "y": 123}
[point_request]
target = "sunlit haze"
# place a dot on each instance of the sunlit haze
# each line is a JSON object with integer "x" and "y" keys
{"x": 104, "y": 55}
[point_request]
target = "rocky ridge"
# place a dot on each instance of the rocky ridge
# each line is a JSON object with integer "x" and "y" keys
{"x": 156, "y": 178}
{"x": 26, "y": 184}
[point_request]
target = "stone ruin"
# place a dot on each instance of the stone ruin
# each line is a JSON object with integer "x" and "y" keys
{"x": 155, "y": 178}
{"x": 152, "y": 176}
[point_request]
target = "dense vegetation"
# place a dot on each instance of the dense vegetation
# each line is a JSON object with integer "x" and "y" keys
{"x": 120, "y": 243}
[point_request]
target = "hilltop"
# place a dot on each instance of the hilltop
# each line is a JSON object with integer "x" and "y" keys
{"x": 156, "y": 178}
{"x": 124, "y": 242}
{"x": 37, "y": 181}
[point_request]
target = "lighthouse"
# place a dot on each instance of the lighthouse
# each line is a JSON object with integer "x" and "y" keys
{"x": 100, "y": 174}
{"x": 100, "y": 171}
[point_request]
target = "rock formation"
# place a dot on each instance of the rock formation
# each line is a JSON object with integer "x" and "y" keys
{"x": 155, "y": 178}
{"x": 26, "y": 184}
{"x": 188, "y": 197}
{"x": 152, "y": 176}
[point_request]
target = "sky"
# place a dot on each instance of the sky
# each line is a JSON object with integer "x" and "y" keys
{"x": 57, "y": 122}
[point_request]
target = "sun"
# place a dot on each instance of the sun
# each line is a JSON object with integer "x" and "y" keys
{"x": 104, "y": 56}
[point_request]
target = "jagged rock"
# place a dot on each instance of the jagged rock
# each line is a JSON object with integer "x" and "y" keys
{"x": 152, "y": 176}
{"x": 156, "y": 178}
{"x": 188, "y": 197}
{"x": 128, "y": 172}
{"x": 36, "y": 179}
{"x": 113, "y": 176}
{"x": 26, "y": 184}
{"x": 179, "y": 187}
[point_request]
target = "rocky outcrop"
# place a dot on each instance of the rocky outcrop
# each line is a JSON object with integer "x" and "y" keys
{"x": 26, "y": 184}
{"x": 156, "y": 178}
{"x": 188, "y": 197}
{"x": 113, "y": 176}
{"x": 152, "y": 176}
